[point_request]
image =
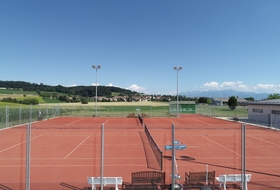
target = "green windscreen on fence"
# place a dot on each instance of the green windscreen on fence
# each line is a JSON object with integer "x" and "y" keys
{"x": 184, "y": 107}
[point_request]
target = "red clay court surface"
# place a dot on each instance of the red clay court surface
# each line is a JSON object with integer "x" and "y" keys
{"x": 65, "y": 151}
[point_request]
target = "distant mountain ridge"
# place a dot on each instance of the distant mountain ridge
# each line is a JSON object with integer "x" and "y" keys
{"x": 225, "y": 94}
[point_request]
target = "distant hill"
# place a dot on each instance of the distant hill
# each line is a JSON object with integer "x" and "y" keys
{"x": 225, "y": 94}
{"x": 84, "y": 91}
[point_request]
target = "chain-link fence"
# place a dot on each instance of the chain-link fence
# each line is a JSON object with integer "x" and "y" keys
{"x": 222, "y": 111}
{"x": 12, "y": 116}
{"x": 268, "y": 120}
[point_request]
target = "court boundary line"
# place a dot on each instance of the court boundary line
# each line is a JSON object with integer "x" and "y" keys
{"x": 204, "y": 122}
{"x": 20, "y": 143}
{"x": 76, "y": 147}
{"x": 74, "y": 122}
{"x": 221, "y": 145}
{"x": 268, "y": 142}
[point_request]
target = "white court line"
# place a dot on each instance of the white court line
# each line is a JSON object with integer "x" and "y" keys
{"x": 263, "y": 140}
{"x": 69, "y": 134}
{"x": 74, "y": 122}
{"x": 203, "y": 122}
{"x": 76, "y": 147}
{"x": 174, "y": 122}
{"x": 20, "y": 143}
{"x": 222, "y": 146}
{"x": 106, "y": 121}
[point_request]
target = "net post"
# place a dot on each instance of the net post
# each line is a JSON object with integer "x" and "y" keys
{"x": 140, "y": 119}
{"x": 161, "y": 161}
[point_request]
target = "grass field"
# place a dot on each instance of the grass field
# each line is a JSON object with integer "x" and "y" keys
{"x": 18, "y": 92}
{"x": 116, "y": 109}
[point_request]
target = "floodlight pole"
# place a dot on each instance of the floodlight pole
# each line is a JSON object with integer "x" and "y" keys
{"x": 177, "y": 69}
{"x": 102, "y": 157}
{"x": 96, "y": 68}
{"x": 243, "y": 156}
{"x": 173, "y": 156}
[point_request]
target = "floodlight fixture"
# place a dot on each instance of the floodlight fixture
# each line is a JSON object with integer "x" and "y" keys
{"x": 96, "y": 67}
{"x": 178, "y": 68}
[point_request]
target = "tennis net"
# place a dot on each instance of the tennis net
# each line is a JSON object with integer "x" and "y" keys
{"x": 156, "y": 150}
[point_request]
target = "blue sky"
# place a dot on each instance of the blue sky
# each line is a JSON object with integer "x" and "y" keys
{"x": 220, "y": 44}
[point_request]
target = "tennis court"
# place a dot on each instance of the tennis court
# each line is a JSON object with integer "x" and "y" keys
{"x": 65, "y": 151}
{"x": 217, "y": 143}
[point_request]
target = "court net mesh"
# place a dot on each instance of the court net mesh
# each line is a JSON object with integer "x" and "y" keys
{"x": 156, "y": 150}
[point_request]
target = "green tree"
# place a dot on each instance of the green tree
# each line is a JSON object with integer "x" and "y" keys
{"x": 29, "y": 101}
{"x": 232, "y": 103}
{"x": 202, "y": 100}
{"x": 209, "y": 101}
{"x": 84, "y": 100}
{"x": 250, "y": 99}
{"x": 273, "y": 96}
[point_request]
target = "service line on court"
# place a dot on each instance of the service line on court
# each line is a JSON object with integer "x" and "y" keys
{"x": 263, "y": 140}
{"x": 174, "y": 122}
{"x": 106, "y": 121}
{"x": 203, "y": 122}
{"x": 76, "y": 147}
{"x": 19, "y": 143}
{"x": 221, "y": 146}
{"x": 74, "y": 122}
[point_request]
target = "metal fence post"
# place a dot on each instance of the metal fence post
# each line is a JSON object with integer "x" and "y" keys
{"x": 7, "y": 116}
{"x": 28, "y": 150}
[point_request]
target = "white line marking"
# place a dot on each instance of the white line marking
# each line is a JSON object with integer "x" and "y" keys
{"x": 19, "y": 143}
{"x": 203, "y": 122}
{"x": 222, "y": 146}
{"x": 263, "y": 140}
{"x": 76, "y": 147}
{"x": 174, "y": 122}
{"x": 74, "y": 122}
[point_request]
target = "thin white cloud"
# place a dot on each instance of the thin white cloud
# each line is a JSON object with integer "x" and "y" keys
{"x": 71, "y": 85}
{"x": 173, "y": 93}
{"x": 111, "y": 84}
{"x": 211, "y": 85}
{"x": 137, "y": 88}
{"x": 268, "y": 88}
{"x": 239, "y": 86}
{"x": 94, "y": 84}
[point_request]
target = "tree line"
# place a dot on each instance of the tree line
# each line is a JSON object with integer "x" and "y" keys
{"x": 83, "y": 91}
{"x": 28, "y": 101}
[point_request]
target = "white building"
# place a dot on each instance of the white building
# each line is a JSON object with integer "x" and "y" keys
{"x": 265, "y": 112}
